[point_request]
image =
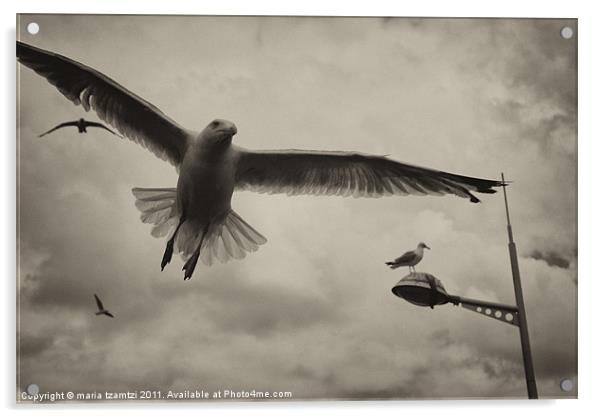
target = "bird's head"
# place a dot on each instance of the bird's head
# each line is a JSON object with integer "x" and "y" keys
{"x": 423, "y": 245}
{"x": 219, "y": 131}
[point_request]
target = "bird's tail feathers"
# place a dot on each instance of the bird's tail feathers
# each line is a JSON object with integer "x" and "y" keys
{"x": 227, "y": 238}
{"x": 157, "y": 207}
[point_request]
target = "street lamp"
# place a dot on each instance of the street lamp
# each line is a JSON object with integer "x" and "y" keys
{"x": 424, "y": 289}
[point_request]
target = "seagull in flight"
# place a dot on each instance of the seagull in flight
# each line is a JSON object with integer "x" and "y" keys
{"x": 410, "y": 258}
{"x": 197, "y": 213}
{"x": 81, "y": 125}
{"x": 101, "y": 308}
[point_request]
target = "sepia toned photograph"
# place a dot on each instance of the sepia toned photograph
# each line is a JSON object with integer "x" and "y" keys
{"x": 286, "y": 208}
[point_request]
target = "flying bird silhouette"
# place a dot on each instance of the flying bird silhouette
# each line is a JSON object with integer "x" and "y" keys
{"x": 197, "y": 213}
{"x": 81, "y": 125}
{"x": 410, "y": 258}
{"x": 101, "y": 308}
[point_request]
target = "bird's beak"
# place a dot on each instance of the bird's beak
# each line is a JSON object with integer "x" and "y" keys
{"x": 427, "y": 247}
{"x": 230, "y": 130}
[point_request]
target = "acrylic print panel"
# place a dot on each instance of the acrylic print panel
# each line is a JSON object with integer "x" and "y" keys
{"x": 288, "y": 296}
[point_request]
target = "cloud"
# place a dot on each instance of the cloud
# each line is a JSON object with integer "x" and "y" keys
{"x": 552, "y": 259}
{"x": 312, "y": 311}
{"x": 31, "y": 345}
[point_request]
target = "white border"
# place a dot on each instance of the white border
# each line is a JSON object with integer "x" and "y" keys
{"x": 590, "y": 136}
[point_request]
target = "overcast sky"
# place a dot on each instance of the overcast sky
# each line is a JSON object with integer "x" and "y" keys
{"x": 312, "y": 311}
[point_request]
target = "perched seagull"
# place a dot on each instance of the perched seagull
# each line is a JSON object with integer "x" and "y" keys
{"x": 197, "y": 213}
{"x": 101, "y": 308}
{"x": 410, "y": 258}
{"x": 81, "y": 125}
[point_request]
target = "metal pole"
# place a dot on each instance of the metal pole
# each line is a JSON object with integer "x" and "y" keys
{"x": 520, "y": 303}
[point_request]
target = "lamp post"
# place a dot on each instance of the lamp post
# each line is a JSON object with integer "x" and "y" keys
{"x": 424, "y": 289}
{"x": 520, "y": 303}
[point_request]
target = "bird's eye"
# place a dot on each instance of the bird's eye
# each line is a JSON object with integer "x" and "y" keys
{"x": 214, "y": 124}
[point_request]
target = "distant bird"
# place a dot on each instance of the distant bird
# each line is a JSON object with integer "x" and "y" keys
{"x": 410, "y": 258}
{"x": 198, "y": 213}
{"x": 81, "y": 125}
{"x": 101, "y": 308}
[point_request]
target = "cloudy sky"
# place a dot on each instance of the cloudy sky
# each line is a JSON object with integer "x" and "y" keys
{"x": 312, "y": 311}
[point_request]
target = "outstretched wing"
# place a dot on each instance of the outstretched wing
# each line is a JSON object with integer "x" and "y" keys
{"x": 297, "y": 172}
{"x": 62, "y": 125}
{"x": 100, "y": 125}
{"x": 131, "y": 115}
{"x": 98, "y": 303}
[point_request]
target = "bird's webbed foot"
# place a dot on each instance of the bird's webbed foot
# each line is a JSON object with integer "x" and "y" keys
{"x": 190, "y": 265}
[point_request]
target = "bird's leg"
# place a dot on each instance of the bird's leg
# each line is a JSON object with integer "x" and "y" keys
{"x": 191, "y": 263}
{"x": 169, "y": 248}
